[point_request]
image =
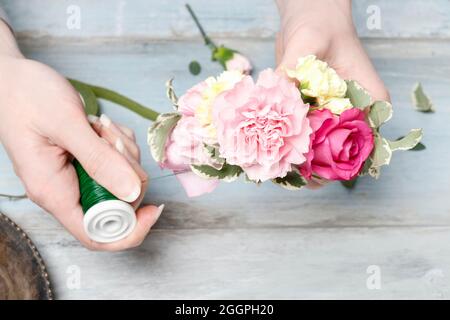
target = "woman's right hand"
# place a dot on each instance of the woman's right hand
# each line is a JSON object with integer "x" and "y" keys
{"x": 43, "y": 126}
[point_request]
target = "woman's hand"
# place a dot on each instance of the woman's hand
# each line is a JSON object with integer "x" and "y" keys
{"x": 325, "y": 28}
{"x": 43, "y": 124}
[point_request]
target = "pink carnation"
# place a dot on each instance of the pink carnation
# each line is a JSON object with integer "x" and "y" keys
{"x": 185, "y": 147}
{"x": 262, "y": 127}
{"x": 239, "y": 63}
{"x": 340, "y": 144}
{"x": 191, "y": 99}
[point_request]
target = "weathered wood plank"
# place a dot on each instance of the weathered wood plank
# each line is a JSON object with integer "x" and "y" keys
{"x": 282, "y": 263}
{"x": 251, "y": 18}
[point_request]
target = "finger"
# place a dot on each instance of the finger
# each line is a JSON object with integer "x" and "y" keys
{"x": 108, "y": 130}
{"x": 133, "y": 158}
{"x": 56, "y": 189}
{"x": 124, "y": 130}
{"x": 127, "y": 131}
{"x": 278, "y": 48}
{"x": 71, "y": 217}
{"x": 146, "y": 218}
{"x": 358, "y": 66}
{"x": 299, "y": 47}
{"x": 100, "y": 160}
{"x": 143, "y": 176}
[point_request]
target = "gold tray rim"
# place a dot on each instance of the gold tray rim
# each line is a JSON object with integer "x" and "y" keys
{"x": 37, "y": 256}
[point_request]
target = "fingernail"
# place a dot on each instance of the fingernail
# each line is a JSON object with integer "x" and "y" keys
{"x": 119, "y": 145}
{"x": 82, "y": 99}
{"x": 133, "y": 195}
{"x": 105, "y": 121}
{"x": 92, "y": 119}
{"x": 127, "y": 131}
{"x": 160, "y": 210}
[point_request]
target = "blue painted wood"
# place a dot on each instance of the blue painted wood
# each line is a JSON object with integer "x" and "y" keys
{"x": 245, "y": 241}
{"x": 162, "y": 19}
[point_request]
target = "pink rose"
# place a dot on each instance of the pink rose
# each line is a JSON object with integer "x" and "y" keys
{"x": 185, "y": 147}
{"x": 340, "y": 144}
{"x": 239, "y": 63}
{"x": 262, "y": 127}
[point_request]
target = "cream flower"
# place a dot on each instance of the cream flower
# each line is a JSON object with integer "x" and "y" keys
{"x": 198, "y": 100}
{"x": 337, "y": 105}
{"x": 317, "y": 79}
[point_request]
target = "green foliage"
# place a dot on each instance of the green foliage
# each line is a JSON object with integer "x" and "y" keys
{"x": 420, "y": 100}
{"x": 222, "y": 55}
{"x": 358, "y": 96}
{"x": 408, "y": 142}
{"x": 380, "y": 113}
{"x": 170, "y": 93}
{"x": 227, "y": 173}
{"x": 350, "y": 184}
{"x": 292, "y": 181}
{"x": 158, "y": 133}
{"x": 195, "y": 68}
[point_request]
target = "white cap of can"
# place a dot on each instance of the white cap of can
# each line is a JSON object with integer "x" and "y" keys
{"x": 109, "y": 221}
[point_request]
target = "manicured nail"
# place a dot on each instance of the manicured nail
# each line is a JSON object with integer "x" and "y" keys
{"x": 133, "y": 195}
{"x": 120, "y": 146}
{"x": 127, "y": 131}
{"x": 92, "y": 119}
{"x": 160, "y": 210}
{"x": 105, "y": 121}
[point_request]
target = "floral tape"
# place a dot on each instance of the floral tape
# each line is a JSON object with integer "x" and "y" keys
{"x": 106, "y": 219}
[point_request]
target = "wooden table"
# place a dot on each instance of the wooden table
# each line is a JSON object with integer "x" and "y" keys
{"x": 245, "y": 241}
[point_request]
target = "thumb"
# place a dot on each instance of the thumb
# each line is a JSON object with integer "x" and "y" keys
{"x": 289, "y": 50}
{"x": 100, "y": 160}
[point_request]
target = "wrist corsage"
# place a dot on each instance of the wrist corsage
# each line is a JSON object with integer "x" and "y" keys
{"x": 290, "y": 127}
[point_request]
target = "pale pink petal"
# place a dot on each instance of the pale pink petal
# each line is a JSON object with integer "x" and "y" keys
{"x": 196, "y": 186}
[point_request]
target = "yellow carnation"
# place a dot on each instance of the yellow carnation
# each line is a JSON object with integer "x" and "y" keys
{"x": 317, "y": 79}
{"x": 214, "y": 87}
{"x": 337, "y": 105}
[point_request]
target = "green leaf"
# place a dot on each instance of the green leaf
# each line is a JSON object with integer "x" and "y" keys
{"x": 419, "y": 147}
{"x": 366, "y": 167}
{"x": 292, "y": 181}
{"x": 382, "y": 153}
{"x": 358, "y": 96}
{"x": 88, "y": 97}
{"x": 159, "y": 132}
{"x": 170, "y": 92}
{"x": 350, "y": 184}
{"x": 381, "y": 156}
{"x": 222, "y": 55}
{"x": 195, "y": 68}
{"x": 380, "y": 112}
{"x": 213, "y": 152}
{"x": 410, "y": 141}
{"x": 420, "y": 100}
{"x": 375, "y": 172}
{"x": 228, "y": 172}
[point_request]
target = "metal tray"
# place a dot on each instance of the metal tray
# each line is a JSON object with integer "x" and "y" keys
{"x": 22, "y": 271}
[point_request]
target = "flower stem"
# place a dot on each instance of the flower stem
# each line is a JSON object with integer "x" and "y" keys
{"x": 207, "y": 39}
{"x": 122, "y": 100}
